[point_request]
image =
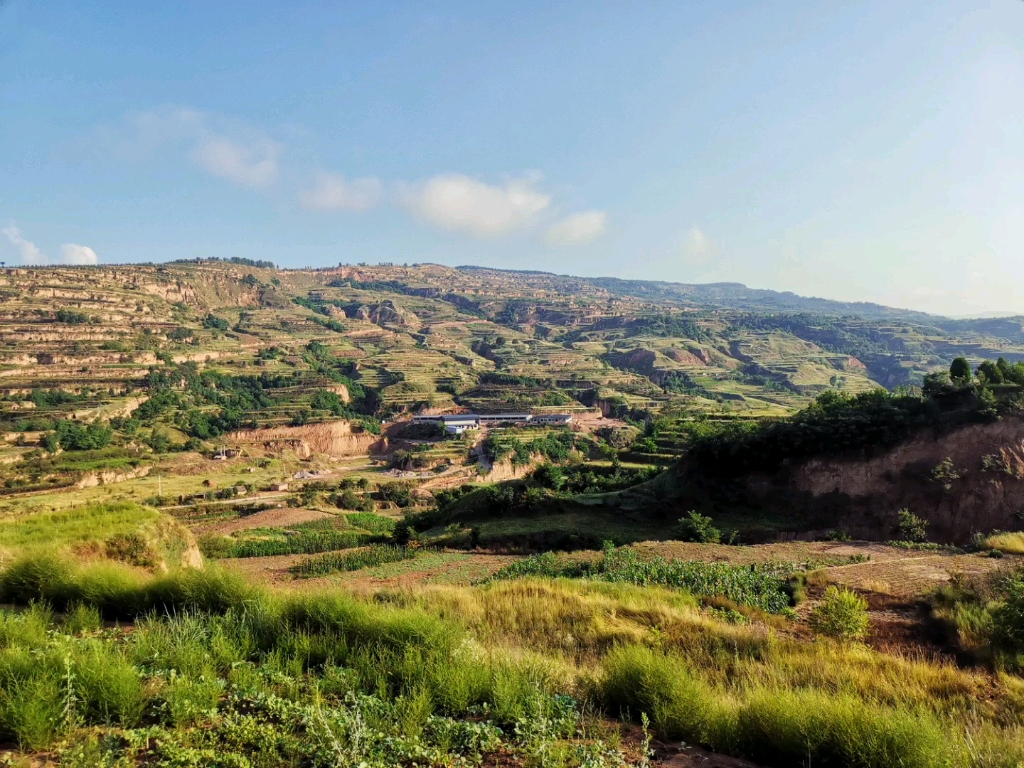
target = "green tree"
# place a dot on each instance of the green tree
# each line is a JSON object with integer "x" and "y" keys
{"x": 549, "y": 476}
{"x": 697, "y": 527}
{"x": 990, "y": 373}
{"x": 960, "y": 371}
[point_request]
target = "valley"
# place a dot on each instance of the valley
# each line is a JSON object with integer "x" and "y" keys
{"x": 763, "y": 526}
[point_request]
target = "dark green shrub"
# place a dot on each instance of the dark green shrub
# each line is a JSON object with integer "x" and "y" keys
{"x": 214, "y": 323}
{"x": 697, "y": 527}
{"x": 1008, "y": 615}
{"x": 911, "y": 527}
{"x": 71, "y": 317}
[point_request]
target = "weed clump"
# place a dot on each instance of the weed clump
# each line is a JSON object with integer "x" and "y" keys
{"x": 842, "y": 615}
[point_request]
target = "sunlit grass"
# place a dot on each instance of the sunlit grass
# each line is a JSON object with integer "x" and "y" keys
{"x": 1012, "y": 543}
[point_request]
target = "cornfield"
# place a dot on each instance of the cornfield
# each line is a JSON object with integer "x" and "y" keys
{"x": 759, "y": 587}
{"x": 305, "y": 543}
{"x": 334, "y": 562}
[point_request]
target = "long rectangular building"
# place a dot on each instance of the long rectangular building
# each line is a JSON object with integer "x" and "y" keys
{"x": 457, "y": 423}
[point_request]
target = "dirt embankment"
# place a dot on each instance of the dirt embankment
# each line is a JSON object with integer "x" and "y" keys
{"x": 332, "y": 438}
{"x": 281, "y": 517}
{"x": 109, "y": 477}
{"x": 506, "y": 470}
{"x": 962, "y": 481}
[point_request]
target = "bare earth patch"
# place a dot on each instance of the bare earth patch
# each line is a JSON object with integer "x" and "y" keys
{"x": 273, "y": 570}
{"x": 267, "y": 518}
{"x": 913, "y": 574}
{"x": 899, "y": 572}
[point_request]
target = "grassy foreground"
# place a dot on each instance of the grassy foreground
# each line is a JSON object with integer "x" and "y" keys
{"x": 215, "y": 672}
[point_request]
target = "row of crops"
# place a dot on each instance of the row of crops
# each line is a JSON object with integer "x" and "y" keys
{"x": 339, "y": 562}
{"x": 763, "y": 587}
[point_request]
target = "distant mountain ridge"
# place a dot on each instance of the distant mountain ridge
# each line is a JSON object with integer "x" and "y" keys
{"x": 738, "y": 296}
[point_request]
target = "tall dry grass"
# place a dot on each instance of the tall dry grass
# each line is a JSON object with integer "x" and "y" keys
{"x": 1012, "y": 543}
{"x": 738, "y": 688}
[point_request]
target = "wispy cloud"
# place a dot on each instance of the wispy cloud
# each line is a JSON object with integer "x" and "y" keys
{"x": 697, "y": 248}
{"x": 223, "y": 148}
{"x": 248, "y": 165}
{"x": 463, "y": 204}
{"x": 578, "y": 229}
{"x": 30, "y": 253}
{"x": 333, "y": 192}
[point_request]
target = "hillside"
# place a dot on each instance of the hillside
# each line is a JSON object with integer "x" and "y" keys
{"x": 437, "y": 336}
{"x": 224, "y": 536}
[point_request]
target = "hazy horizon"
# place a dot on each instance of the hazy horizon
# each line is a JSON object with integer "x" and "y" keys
{"x": 854, "y": 152}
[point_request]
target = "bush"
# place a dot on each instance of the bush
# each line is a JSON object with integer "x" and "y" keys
{"x": 130, "y": 548}
{"x": 71, "y": 317}
{"x": 697, "y": 527}
{"x": 842, "y": 615}
{"x": 1008, "y": 616}
{"x": 214, "y": 323}
{"x": 911, "y": 527}
{"x": 644, "y": 681}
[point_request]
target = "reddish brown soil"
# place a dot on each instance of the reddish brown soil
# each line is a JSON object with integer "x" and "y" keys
{"x": 268, "y": 518}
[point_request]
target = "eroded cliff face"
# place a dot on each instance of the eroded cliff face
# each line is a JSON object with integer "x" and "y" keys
{"x": 333, "y": 438}
{"x": 962, "y": 481}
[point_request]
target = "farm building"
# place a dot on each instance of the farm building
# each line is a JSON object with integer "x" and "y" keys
{"x": 456, "y": 424}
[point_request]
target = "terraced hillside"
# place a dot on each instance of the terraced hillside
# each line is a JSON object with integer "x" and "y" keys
{"x": 103, "y": 370}
{"x": 436, "y": 336}
{"x": 179, "y": 438}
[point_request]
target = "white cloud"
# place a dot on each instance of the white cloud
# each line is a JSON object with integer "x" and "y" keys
{"x": 577, "y": 229}
{"x": 78, "y": 254}
{"x": 333, "y": 192}
{"x": 30, "y": 254}
{"x": 698, "y": 248}
{"x": 70, "y": 253}
{"x": 250, "y": 165}
{"x": 460, "y": 203}
{"x": 225, "y": 148}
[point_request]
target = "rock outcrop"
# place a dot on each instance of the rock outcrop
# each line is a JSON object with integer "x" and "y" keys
{"x": 966, "y": 480}
{"x": 332, "y": 438}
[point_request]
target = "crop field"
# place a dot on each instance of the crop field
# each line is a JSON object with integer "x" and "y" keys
{"x": 223, "y": 541}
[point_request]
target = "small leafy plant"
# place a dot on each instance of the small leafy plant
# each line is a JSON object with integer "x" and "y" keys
{"x": 911, "y": 527}
{"x": 699, "y": 528}
{"x": 842, "y": 615}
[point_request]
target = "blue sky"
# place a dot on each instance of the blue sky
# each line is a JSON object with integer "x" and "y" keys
{"x": 857, "y": 151}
